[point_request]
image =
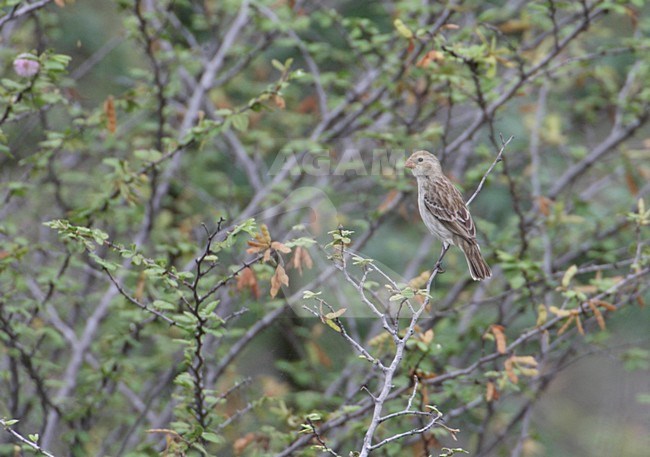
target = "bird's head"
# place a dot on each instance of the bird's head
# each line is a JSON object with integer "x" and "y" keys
{"x": 423, "y": 163}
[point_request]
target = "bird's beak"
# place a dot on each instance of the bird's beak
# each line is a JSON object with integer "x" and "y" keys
{"x": 409, "y": 164}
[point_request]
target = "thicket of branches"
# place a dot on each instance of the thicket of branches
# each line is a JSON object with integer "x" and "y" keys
{"x": 209, "y": 245}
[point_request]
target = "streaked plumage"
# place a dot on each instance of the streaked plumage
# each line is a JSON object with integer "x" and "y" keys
{"x": 444, "y": 212}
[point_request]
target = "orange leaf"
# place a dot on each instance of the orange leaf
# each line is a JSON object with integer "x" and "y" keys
{"x": 500, "y": 337}
{"x": 491, "y": 392}
{"x": 60, "y": 3}
{"x": 597, "y": 314}
{"x": 603, "y": 304}
{"x": 279, "y": 277}
{"x": 509, "y": 367}
{"x": 579, "y": 326}
{"x": 390, "y": 197}
{"x": 411, "y": 46}
{"x": 566, "y": 325}
{"x": 240, "y": 444}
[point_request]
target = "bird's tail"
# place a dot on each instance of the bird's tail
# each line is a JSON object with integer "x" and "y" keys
{"x": 478, "y": 268}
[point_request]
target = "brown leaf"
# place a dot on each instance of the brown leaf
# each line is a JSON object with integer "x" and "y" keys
{"x": 306, "y": 259}
{"x": 427, "y": 337}
{"x": 500, "y": 337}
{"x": 60, "y": 3}
{"x": 411, "y": 46}
{"x": 308, "y": 105}
{"x": 109, "y": 110}
{"x": 296, "y": 264}
{"x": 139, "y": 288}
{"x": 597, "y": 314}
{"x": 240, "y": 444}
{"x": 491, "y": 392}
{"x": 279, "y": 101}
{"x": 335, "y": 314}
{"x": 508, "y": 365}
{"x": 280, "y": 247}
{"x": 264, "y": 234}
{"x": 279, "y": 278}
{"x": 514, "y": 26}
{"x": 544, "y": 205}
{"x": 579, "y": 326}
{"x": 247, "y": 278}
{"x": 429, "y": 57}
{"x": 603, "y": 304}
{"x": 390, "y": 197}
{"x": 566, "y": 325}
{"x": 524, "y": 360}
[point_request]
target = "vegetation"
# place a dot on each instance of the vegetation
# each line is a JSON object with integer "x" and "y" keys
{"x": 209, "y": 244}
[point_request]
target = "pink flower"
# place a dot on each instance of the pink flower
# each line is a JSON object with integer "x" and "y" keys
{"x": 26, "y": 65}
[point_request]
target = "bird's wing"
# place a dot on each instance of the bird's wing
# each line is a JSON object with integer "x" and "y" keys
{"x": 446, "y": 204}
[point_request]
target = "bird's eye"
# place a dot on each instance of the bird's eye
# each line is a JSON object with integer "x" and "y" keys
{"x": 420, "y": 159}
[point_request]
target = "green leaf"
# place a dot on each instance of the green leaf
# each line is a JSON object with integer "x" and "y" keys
{"x": 212, "y": 437}
{"x": 239, "y": 121}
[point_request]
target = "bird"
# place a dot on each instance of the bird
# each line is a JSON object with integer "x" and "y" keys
{"x": 445, "y": 213}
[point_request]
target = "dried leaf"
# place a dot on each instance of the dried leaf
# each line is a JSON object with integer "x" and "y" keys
{"x": 295, "y": 261}
{"x": 544, "y": 205}
{"x": 306, "y": 259}
{"x": 240, "y": 444}
{"x": 139, "y": 289}
{"x": 500, "y": 337}
{"x": 579, "y": 326}
{"x": 491, "y": 392}
{"x": 109, "y": 111}
{"x": 411, "y": 46}
{"x": 60, "y": 3}
{"x": 279, "y": 278}
{"x": 427, "y": 337}
{"x": 566, "y": 325}
{"x": 524, "y": 360}
{"x": 542, "y": 315}
{"x": 335, "y": 314}
{"x": 431, "y": 56}
{"x": 597, "y": 314}
{"x": 568, "y": 275}
{"x": 603, "y": 304}
{"x": 333, "y": 325}
{"x": 560, "y": 312}
{"x": 280, "y": 247}
{"x": 279, "y": 101}
{"x": 508, "y": 365}
{"x": 390, "y": 198}
{"x": 264, "y": 233}
{"x": 403, "y": 29}
{"x": 514, "y": 26}
{"x": 247, "y": 278}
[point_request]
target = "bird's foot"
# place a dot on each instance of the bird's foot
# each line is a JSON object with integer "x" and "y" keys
{"x": 438, "y": 268}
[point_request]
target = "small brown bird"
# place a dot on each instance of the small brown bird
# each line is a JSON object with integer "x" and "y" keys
{"x": 444, "y": 212}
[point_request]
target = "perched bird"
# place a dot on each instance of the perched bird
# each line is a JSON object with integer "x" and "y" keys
{"x": 444, "y": 212}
